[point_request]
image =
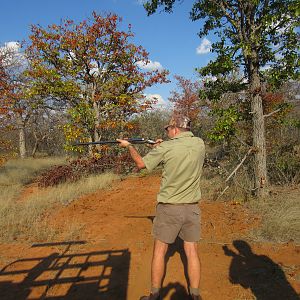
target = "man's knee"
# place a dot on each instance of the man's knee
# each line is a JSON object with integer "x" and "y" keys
{"x": 190, "y": 249}
{"x": 160, "y": 248}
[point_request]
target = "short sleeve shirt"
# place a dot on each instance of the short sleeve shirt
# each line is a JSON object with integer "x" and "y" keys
{"x": 182, "y": 160}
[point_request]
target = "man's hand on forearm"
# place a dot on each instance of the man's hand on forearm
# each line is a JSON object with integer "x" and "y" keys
{"x": 133, "y": 152}
{"x": 158, "y": 142}
{"x": 123, "y": 143}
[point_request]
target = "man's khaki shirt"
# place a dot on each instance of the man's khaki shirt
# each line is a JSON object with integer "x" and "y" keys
{"x": 182, "y": 160}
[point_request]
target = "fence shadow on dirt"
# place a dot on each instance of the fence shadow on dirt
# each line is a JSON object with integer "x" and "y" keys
{"x": 67, "y": 275}
{"x": 259, "y": 273}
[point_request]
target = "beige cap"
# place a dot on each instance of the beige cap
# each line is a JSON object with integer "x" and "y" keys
{"x": 179, "y": 121}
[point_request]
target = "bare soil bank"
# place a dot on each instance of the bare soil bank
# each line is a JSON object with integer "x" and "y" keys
{"x": 110, "y": 259}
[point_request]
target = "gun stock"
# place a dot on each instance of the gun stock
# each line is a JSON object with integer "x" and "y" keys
{"x": 132, "y": 141}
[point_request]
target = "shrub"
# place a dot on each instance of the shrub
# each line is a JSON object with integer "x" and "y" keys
{"x": 83, "y": 167}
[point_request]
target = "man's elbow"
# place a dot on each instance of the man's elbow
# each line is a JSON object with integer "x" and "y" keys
{"x": 140, "y": 165}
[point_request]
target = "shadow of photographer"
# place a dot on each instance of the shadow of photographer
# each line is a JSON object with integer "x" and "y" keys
{"x": 69, "y": 276}
{"x": 259, "y": 273}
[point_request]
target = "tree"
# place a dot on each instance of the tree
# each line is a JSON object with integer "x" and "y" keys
{"x": 16, "y": 108}
{"x": 94, "y": 69}
{"x": 150, "y": 123}
{"x": 186, "y": 98}
{"x": 45, "y": 133}
{"x": 252, "y": 34}
{"x": 227, "y": 102}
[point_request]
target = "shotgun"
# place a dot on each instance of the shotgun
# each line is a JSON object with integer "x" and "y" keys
{"x": 132, "y": 141}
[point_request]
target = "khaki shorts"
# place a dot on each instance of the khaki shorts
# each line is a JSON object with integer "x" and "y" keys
{"x": 174, "y": 220}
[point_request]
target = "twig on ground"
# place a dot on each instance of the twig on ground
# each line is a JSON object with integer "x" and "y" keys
{"x": 234, "y": 171}
{"x": 239, "y": 165}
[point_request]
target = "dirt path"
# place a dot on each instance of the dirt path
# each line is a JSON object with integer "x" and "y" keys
{"x": 111, "y": 259}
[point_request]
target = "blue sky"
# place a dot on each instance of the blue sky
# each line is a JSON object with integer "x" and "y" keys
{"x": 171, "y": 39}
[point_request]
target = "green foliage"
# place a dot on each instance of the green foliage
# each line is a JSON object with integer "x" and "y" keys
{"x": 151, "y": 6}
{"x": 252, "y": 34}
{"x": 91, "y": 68}
{"x": 150, "y": 124}
{"x": 74, "y": 131}
{"x": 223, "y": 64}
{"x": 226, "y": 123}
{"x": 215, "y": 89}
{"x": 226, "y": 105}
{"x": 295, "y": 123}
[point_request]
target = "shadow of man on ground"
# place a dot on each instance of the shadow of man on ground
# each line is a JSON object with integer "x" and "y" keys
{"x": 259, "y": 273}
{"x": 178, "y": 291}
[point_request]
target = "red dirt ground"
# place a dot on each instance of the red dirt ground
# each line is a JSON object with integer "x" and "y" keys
{"x": 110, "y": 259}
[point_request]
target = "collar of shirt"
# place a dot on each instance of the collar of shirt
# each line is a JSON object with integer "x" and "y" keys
{"x": 183, "y": 135}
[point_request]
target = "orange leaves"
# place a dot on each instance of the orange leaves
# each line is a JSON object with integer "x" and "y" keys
{"x": 117, "y": 124}
{"x": 92, "y": 62}
{"x": 271, "y": 100}
{"x": 109, "y": 124}
{"x": 3, "y": 110}
{"x": 186, "y": 101}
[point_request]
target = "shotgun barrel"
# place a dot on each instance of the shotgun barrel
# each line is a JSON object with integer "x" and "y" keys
{"x": 132, "y": 141}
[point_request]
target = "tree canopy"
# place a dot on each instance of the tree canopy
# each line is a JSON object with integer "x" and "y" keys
{"x": 259, "y": 32}
{"x": 95, "y": 69}
{"x": 258, "y": 38}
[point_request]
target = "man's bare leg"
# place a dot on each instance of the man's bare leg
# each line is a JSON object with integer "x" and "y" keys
{"x": 158, "y": 263}
{"x": 193, "y": 264}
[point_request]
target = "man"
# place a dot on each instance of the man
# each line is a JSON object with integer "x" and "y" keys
{"x": 177, "y": 211}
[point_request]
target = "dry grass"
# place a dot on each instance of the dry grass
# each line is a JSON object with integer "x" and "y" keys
{"x": 280, "y": 216}
{"x": 14, "y": 174}
{"x": 65, "y": 193}
{"x": 23, "y": 171}
{"x": 280, "y": 212}
{"x": 210, "y": 187}
{"x": 27, "y": 219}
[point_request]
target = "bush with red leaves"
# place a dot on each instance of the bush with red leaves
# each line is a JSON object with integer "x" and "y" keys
{"x": 76, "y": 169}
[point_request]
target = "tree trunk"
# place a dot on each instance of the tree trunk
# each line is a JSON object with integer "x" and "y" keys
{"x": 259, "y": 139}
{"x": 97, "y": 122}
{"x": 22, "y": 137}
{"x": 22, "y": 142}
{"x": 96, "y": 135}
{"x": 36, "y": 142}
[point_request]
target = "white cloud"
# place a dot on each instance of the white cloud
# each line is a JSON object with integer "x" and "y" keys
{"x": 13, "y": 45}
{"x": 282, "y": 29}
{"x": 10, "y": 48}
{"x": 150, "y": 66}
{"x": 265, "y": 68}
{"x": 204, "y": 47}
{"x": 209, "y": 78}
{"x": 11, "y": 54}
{"x": 279, "y": 56}
{"x": 160, "y": 102}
